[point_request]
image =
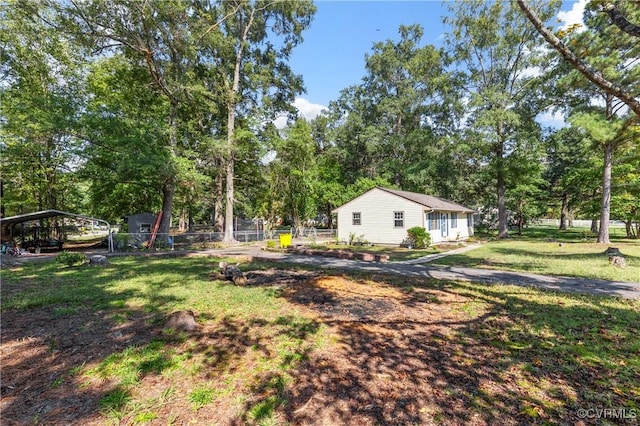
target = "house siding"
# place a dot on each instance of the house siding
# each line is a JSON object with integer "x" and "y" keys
{"x": 377, "y": 208}
{"x": 460, "y": 232}
{"x": 377, "y": 217}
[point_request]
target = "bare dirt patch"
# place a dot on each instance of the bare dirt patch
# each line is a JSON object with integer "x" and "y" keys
{"x": 401, "y": 354}
{"x": 39, "y": 349}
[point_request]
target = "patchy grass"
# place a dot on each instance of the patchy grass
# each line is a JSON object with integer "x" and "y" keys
{"x": 86, "y": 346}
{"x": 113, "y": 316}
{"x": 551, "y": 252}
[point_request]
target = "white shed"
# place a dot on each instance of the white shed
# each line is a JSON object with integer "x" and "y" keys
{"x": 383, "y": 216}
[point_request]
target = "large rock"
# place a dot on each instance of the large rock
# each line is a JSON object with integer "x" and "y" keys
{"x": 98, "y": 260}
{"x": 182, "y": 321}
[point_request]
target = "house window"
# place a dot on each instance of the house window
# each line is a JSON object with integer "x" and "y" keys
{"x": 145, "y": 228}
{"x": 454, "y": 220}
{"x": 432, "y": 221}
{"x": 469, "y": 220}
{"x": 398, "y": 219}
{"x": 356, "y": 219}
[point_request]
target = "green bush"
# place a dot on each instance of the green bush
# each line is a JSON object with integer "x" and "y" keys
{"x": 70, "y": 259}
{"x": 419, "y": 237}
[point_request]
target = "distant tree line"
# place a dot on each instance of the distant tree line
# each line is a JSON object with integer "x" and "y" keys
{"x": 116, "y": 107}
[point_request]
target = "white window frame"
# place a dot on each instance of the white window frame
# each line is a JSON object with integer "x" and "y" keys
{"x": 398, "y": 216}
{"x": 358, "y": 219}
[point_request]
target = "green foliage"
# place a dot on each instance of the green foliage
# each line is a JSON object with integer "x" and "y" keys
{"x": 357, "y": 239}
{"x": 495, "y": 45}
{"x": 295, "y": 171}
{"x": 113, "y": 403}
{"x": 201, "y": 397}
{"x": 419, "y": 237}
{"x": 41, "y": 99}
{"x": 71, "y": 258}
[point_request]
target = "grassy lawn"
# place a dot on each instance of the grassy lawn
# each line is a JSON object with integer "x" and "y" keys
{"x": 86, "y": 346}
{"x": 551, "y": 252}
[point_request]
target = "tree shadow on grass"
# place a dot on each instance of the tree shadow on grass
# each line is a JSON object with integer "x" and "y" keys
{"x": 80, "y": 354}
{"x": 56, "y": 322}
{"x": 497, "y": 355}
{"x": 408, "y": 350}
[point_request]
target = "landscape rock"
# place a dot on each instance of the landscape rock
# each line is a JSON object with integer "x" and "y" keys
{"x": 182, "y": 321}
{"x": 367, "y": 257}
{"x": 98, "y": 260}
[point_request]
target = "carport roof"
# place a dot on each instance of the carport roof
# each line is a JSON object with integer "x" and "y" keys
{"x": 44, "y": 214}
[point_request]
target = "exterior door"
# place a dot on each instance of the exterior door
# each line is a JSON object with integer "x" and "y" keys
{"x": 444, "y": 224}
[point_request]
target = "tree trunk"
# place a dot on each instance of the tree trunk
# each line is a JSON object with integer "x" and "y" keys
{"x": 594, "y": 225}
{"x": 181, "y": 222}
{"x": 503, "y": 226}
{"x": 570, "y": 217}
{"x": 168, "y": 187}
{"x": 329, "y": 217}
{"x": 228, "y": 216}
{"x": 218, "y": 200}
{"x": 603, "y": 235}
{"x": 231, "y": 122}
{"x": 564, "y": 211}
{"x": 168, "y": 190}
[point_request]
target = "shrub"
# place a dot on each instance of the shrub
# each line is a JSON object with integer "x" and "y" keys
{"x": 70, "y": 259}
{"x": 357, "y": 240}
{"x": 419, "y": 237}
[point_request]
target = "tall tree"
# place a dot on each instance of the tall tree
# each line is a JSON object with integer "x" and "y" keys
{"x": 251, "y": 70}
{"x": 295, "y": 169}
{"x": 606, "y": 79}
{"x": 394, "y": 126}
{"x": 571, "y": 172}
{"x": 609, "y": 133}
{"x": 496, "y": 47}
{"x": 42, "y": 95}
{"x": 161, "y": 37}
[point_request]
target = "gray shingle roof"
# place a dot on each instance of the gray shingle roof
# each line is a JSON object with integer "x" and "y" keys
{"x": 430, "y": 201}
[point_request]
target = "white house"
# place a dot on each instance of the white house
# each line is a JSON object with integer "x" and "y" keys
{"x": 383, "y": 216}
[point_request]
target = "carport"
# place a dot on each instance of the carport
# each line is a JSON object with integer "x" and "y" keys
{"x": 7, "y": 224}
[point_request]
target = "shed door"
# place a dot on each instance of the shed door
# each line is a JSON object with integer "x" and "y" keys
{"x": 444, "y": 224}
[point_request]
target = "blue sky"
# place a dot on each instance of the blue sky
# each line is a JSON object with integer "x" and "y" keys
{"x": 331, "y": 56}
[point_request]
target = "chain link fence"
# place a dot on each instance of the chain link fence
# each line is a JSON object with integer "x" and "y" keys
{"x": 203, "y": 240}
